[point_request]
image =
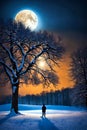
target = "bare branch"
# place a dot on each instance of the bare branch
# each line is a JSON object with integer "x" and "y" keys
{"x": 7, "y": 67}
{"x": 10, "y": 55}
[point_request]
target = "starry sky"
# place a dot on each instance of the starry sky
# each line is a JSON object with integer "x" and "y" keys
{"x": 64, "y": 17}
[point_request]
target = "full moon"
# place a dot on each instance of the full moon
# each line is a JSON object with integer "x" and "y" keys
{"x": 28, "y": 18}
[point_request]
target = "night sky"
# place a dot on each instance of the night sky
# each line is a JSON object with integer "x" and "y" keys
{"x": 55, "y": 15}
{"x": 65, "y": 17}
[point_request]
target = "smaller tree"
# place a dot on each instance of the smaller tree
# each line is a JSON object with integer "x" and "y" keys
{"x": 79, "y": 74}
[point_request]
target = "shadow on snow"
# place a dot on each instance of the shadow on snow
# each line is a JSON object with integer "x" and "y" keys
{"x": 8, "y": 116}
{"x": 46, "y": 124}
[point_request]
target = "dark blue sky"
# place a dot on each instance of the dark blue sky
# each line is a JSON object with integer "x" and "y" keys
{"x": 54, "y": 14}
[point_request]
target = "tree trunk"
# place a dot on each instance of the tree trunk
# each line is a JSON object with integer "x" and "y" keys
{"x": 14, "y": 105}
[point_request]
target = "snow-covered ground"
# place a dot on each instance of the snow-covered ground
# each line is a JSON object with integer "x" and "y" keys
{"x": 57, "y": 118}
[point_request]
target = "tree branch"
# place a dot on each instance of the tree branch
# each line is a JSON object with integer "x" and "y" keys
{"x": 33, "y": 62}
{"x": 6, "y": 66}
{"x": 10, "y": 56}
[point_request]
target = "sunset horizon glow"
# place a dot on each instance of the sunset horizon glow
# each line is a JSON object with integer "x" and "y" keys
{"x": 64, "y": 81}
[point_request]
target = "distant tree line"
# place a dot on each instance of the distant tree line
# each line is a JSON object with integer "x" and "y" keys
{"x": 52, "y": 98}
{"x": 66, "y": 97}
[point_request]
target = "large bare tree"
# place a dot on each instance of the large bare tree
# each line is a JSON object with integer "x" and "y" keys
{"x": 20, "y": 53}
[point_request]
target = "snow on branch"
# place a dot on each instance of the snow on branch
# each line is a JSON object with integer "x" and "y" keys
{"x": 33, "y": 62}
{"x": 24, "y": 55}
{"x": 10, "y": 55}
{"x": 22, "y": 49}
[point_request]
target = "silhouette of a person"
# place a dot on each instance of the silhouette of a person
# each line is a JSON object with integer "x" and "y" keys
{"x": 43, "y": 110}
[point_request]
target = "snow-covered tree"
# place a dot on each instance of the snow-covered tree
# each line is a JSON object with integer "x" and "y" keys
{"x": 79, "y": 74}
{"x": 20, "y": 53}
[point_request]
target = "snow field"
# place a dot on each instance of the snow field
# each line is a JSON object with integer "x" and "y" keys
{"x": 29, "y": 118}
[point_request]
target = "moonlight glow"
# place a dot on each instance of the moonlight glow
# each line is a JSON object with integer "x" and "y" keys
{"x": 42, "y": 63}
{"x": 28, "y": 18}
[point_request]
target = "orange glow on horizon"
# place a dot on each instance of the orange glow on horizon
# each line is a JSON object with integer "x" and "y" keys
{"x": 64, "y": 80}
